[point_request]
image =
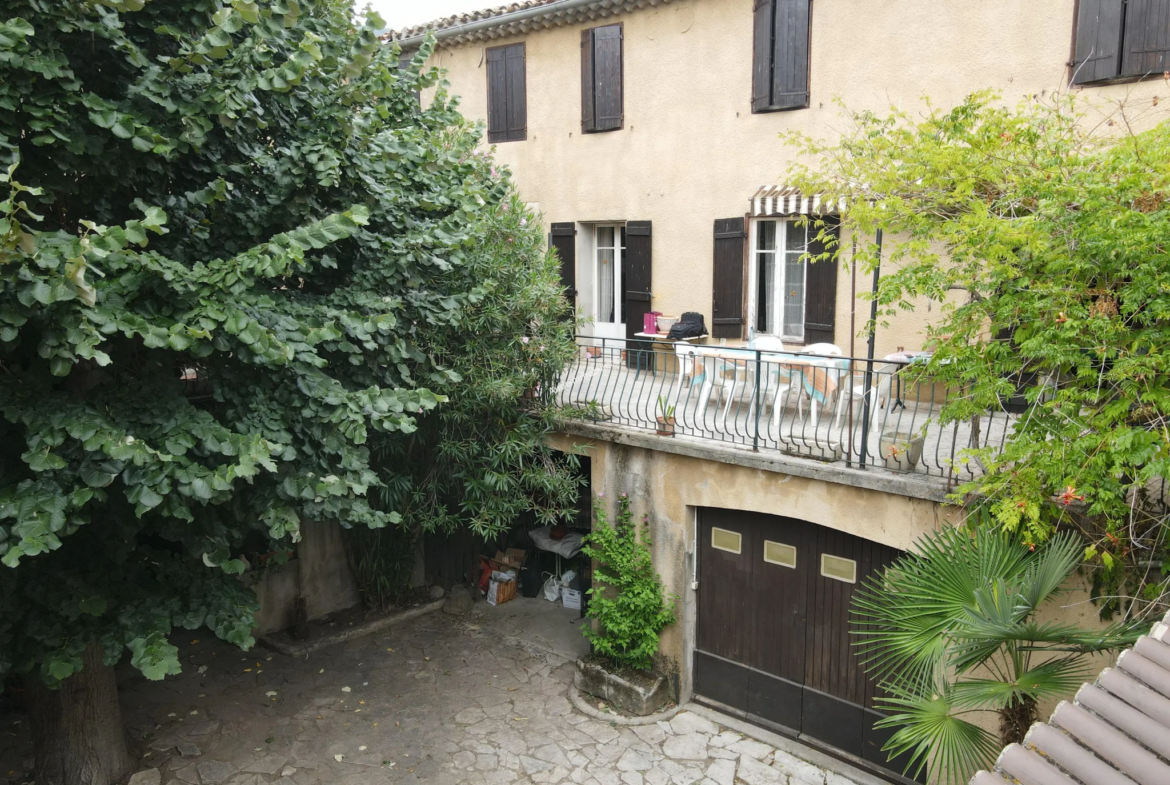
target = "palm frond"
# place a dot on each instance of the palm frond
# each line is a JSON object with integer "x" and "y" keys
{"x": 929, "y": 731}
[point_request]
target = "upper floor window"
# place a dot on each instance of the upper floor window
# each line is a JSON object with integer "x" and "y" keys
{"x": 780, "y": 55}
{"x": 601, "y": 78}
{"x": 507, "y": 96}
{"x": 1121, "y": 38}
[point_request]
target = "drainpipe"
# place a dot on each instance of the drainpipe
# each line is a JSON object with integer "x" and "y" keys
{"x": 468, "y": 28}
{"x": 865, "y": 401}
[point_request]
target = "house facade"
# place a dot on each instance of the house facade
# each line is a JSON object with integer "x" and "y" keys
{"x": 649, "y": 136}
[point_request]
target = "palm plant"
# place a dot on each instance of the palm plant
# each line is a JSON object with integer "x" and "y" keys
{"x": 950, "y": 632}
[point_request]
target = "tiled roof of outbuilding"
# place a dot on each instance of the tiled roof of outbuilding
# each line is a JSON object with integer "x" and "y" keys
{"x": 518, "y": 18}
{"x": 1115, "y": 732}
{"x": 471, "y": 16}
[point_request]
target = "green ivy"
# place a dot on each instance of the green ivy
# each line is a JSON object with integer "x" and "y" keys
{"x": 238, "y": 260}
{"x": 626, "y": 600}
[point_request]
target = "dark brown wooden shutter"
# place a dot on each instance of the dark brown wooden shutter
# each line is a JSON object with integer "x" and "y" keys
{"x": 1098, "y": 43}
{"x": 790, "y": 54}
{"x": 517, "y": 116}
{"x": 762, "y": 55}
{"x": 636, "y": 275}
{"x": 820, "y": 282}
{"x": 607, "y": 71}
{"x": 497, "y": 80}
{"x": 507, "y": 100}
{"x": 587, "y": 117}
{"x": 601, "y": 78}
{"x": 564, "y": 242}
{"x": 1146, "y": 47}
{"x": 727, "y": 304}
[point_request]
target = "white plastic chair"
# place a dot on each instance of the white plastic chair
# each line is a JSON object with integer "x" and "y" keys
{"x": 822, "y": 350}
{"x": 770, "y": 343}
{"x": 881, "y": 388}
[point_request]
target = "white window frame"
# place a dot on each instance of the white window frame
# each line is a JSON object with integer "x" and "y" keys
{"x": 618, "y": 258}
{"x": 782, "y": 270}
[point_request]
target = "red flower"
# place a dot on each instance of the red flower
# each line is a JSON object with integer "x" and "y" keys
{"x": 1069, "y": 495}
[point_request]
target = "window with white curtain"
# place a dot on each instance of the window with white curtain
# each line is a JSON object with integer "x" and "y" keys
{"x": 779, "y": 279}
{"x": 610, "y": 242}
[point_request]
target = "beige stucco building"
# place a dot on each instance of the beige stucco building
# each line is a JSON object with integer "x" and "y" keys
{"x": 649, "y": 134}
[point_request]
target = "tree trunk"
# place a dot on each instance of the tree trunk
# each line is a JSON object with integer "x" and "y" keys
{"x": 77, "y": 728}
{"x": 1016, "y": 719}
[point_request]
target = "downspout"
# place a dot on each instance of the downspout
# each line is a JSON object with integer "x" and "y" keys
{"x": 469, "y": 28}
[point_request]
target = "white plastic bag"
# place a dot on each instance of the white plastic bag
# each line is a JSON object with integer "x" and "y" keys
{"x": 568, "y": 577}
{"x": 552, "y": 588}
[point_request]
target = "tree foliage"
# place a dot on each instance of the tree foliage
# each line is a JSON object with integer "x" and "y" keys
{"x": 1042, "y": 231}
{"x": 950, "y": 632}
{"x": 238, "y": 262}
{"x": 626, "y": 600}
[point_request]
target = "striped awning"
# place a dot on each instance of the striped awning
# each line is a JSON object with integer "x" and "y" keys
{"x": 786, "y": 200}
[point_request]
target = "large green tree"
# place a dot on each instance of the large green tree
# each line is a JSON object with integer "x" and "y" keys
{"x": 238, "y": 262}
{"x": 1043, "y": 231}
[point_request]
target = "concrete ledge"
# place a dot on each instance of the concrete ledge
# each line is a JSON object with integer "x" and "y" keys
{"x": 349, "y": 633}
{"x": 913, "y": 486}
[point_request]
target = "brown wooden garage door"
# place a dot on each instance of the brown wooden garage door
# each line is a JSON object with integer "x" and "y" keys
{"x": 773, "y": 627}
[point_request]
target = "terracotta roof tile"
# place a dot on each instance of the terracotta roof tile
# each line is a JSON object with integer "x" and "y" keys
{"x": 460, "y": 19}
{"x": 1116, "y": 731}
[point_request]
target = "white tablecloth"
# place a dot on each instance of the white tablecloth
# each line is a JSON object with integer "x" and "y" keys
{"x": 568, "y": 547}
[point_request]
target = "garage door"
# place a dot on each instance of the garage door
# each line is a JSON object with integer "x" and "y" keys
{"x": 773, "y": 627}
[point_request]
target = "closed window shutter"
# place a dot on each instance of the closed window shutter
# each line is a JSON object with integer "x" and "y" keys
{"x": 601, "y": 78}
{"x": 564, "y": 242}
{"x": 607, "y": 69}
{"x": 820, "y": 281}
{"x": 1147, "y": 38}
{"x": 517, "y": 96}
{"x": 790, "y": 54}
{"x": 762, "y": 55}
{"x": 1098, "y": 42}
{"x": 587, "y": 117}
{"x": 497, "y": 95}
{"x": 507, "y": 99}
{"x": 727, "y": 304}
{"x": 636, "y": 269}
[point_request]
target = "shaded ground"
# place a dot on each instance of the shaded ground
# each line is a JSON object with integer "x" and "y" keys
{"x": 475, "y": 699}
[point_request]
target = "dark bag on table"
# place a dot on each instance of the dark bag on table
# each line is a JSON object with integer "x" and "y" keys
{"x": 690, "y": 325}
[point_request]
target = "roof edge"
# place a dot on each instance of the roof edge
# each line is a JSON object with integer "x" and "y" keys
{"x": 511, "y": 22}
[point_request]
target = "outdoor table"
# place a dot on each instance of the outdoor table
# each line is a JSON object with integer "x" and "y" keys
{"x": 903, "y": 359}
{"x": 819, "y": 376}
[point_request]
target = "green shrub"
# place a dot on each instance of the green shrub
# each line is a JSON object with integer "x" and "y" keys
{"x": 626, "y": 600}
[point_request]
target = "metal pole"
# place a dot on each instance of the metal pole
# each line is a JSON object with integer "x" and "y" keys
{"x": 865, "y": 401}
{"x": 759, "y": 405}
{"x": 852, "y": 347}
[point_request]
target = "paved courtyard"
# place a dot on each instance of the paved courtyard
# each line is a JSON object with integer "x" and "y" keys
{"x": 480, "y": 698}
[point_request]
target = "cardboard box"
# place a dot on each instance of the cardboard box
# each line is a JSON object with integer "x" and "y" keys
{"x": 513, "y": 558}
{"x": 571, "y": 599}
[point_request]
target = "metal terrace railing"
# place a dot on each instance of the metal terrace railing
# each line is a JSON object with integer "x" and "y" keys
{"x": 816, "y": 406}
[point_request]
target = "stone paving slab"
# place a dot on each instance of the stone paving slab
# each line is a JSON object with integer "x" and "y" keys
{"x": 478, "y": 699}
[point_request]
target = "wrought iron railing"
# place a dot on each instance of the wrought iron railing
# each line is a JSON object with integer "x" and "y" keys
{"x": 817, "y": 406}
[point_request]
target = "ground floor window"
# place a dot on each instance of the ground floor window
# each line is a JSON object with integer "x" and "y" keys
{"x": 610, "y": 245}
{"x": 779, "y": 278}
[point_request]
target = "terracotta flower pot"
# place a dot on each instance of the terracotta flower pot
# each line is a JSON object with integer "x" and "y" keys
{"x": 665, "y": 426}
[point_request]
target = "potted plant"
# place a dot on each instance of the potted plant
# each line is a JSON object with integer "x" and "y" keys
{"x": 628, "y": 610}
{"x": 666, "y": 417}
{"x": 902, "y": 451}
